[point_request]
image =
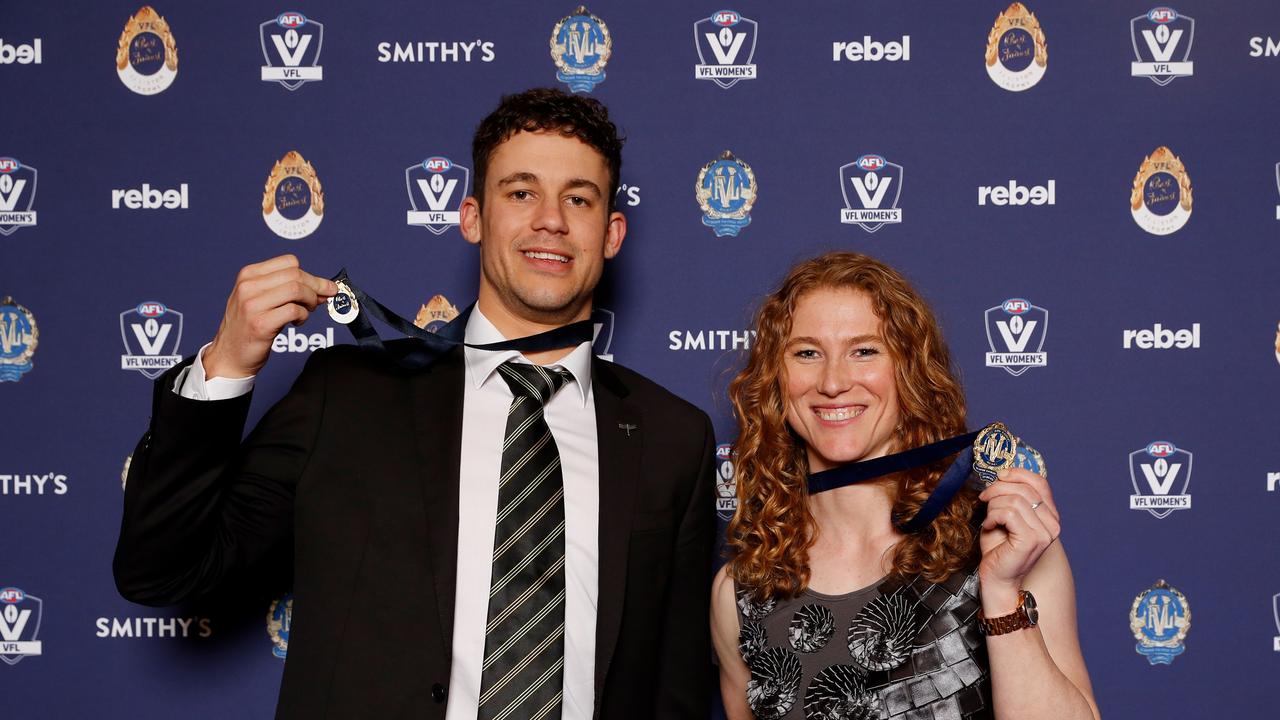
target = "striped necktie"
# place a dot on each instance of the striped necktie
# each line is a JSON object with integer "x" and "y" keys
{"x": 523, "y": 673}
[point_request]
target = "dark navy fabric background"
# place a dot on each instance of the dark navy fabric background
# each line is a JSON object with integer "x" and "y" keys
{"x": 1087, "y": 125}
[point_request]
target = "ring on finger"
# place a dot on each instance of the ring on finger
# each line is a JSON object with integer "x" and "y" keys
{"x": 1036, "y": 504}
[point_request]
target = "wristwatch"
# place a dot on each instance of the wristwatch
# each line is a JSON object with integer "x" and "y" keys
{"x": 1024, "y": 616}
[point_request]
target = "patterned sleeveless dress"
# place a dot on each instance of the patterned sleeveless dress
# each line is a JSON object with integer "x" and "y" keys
{"x": 903, "y": 649}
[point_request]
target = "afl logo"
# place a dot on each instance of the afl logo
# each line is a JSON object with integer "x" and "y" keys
{"x": 8, "y": 165}
{"x": 1016, "y": 306}
{"x": 1162, "y": 15}
{"x": 151, "y": 309}
{"x": 726, "y": 18}
{"x": 147, "y": 55}
{"x": 437, "y": 164}
{"x": 870, "y": 162}
{"x": 1160, "y": 449}
{"x": 291, "y": 20}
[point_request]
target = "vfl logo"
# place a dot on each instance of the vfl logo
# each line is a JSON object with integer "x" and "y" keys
{"x": 1275, "y": 606}
{"x": 293, "y": 201}
{"x": 279, "y": 622}
{"x": 18, "y": 339}
{"x": 146, "y": 55}
{"x": 1017, "y": 54}
{"x": 580, "y": 47}
{"x": 723, "y": 37}
{"x": 726, "y": 483}
{"x": 1016, "y": 330}
{"x": 602, "y": 322}
{"x": 151, "y": 334}
{"x": 1157, "y": 36}
{"x": 1160, "y": 200}
{"x": 1159, "y": 619}
{"x": 876, "y": 187}
{"x": 726, "y": 190}
{"x": 295, "y": 40}
{"x": 437, "y": 188}
{"x": 19, "y": 625}
{"x": 1155, "y": 472}
{"x": 1277, "y": 187}
{"x": 17, "y": 195}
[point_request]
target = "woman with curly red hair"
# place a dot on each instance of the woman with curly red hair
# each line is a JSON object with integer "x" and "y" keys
{"x": 827, "y": 609}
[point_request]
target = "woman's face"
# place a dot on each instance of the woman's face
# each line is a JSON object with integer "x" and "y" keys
{"x": 838, "y": 379}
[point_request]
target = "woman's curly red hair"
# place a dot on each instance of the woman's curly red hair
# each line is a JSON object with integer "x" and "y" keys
{"x": 772, "y": 531}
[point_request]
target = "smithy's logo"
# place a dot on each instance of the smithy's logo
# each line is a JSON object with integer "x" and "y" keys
{"x": 19, "y": 625}
{"x": 291, "y": 46}
{"x": 17, "y": 195}
{"x": 725, "y": 37}
{"x": 1157, "y": 38}
{"x": 1016, "y": 330}
{"x": 1155, "y": 472}
{"x": 151, "y": 334}
{"x": 872, "y": 187}
{"x": 437, "y": 187}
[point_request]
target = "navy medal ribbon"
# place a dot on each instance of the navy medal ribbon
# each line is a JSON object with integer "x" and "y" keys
{"x": 352, "y": 307}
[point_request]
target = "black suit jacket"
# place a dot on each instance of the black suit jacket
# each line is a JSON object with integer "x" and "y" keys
{"x": 359, "y": 463}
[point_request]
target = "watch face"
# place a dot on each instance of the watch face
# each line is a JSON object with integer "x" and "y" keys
{"x": 1029, "y": 607}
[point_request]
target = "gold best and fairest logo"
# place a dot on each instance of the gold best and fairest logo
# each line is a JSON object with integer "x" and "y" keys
{"x": 437, "y": 313}
{"x": 18, "y": 339}
{"x": 1161, "y": 196}
{"x": 580, "y": 47}
{"x": 1017, "y": 54}
{"x": 147, "y": 56}
{"x": 293, "y": 201}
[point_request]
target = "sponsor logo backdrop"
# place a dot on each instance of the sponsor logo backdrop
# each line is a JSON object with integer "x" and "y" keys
{"x": 1055, "y": 155}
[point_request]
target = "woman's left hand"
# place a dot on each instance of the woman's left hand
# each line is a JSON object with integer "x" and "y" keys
{"x": 1022, "y": 522}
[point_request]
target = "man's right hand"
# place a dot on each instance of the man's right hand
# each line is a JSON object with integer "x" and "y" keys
{"x": 267, "y": 296}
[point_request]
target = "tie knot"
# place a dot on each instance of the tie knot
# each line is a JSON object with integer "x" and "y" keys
{"x": 533, "y": 381}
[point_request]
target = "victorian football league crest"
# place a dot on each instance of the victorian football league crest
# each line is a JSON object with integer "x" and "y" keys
{"x": 147, "y": 54}
{"x": 437, "y": 186}
{"x": 20, "y": 615}
{"x": 1016, "y": 331}
{"x": 1161, "y": 476}
{"x": 291, "y": 46}
{"x": 1160, "y": 619}
{"x": 279, "y": 623}
{"x": 435, "y": 314}
{"x": 293, "y": 201}
{"x": 18, "y": 339}
{"x": 1160, "y": 199}
{"x": 1017, "y": 54}
{"x": 17, "y": 195}
{"x": 151, "y": 334}
{"x": 1162, "y": 45}
{"x": 580, "y": 48}
{"x": 726, "y": 44}
{"x": 871, "y": 187}
{"x": 726, "y": 190}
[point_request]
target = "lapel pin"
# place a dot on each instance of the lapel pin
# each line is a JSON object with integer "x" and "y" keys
{"x": 628, "y": 427}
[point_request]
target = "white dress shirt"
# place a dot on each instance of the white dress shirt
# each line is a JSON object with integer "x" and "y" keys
{"x": 486, "y": 398}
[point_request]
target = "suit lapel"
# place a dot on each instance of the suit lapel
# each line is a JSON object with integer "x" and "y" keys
{"x": 620, "y": 436}
{"x": 437, "y": 415}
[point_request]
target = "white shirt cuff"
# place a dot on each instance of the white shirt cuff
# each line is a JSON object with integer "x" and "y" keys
{"x": 192, "y": 384}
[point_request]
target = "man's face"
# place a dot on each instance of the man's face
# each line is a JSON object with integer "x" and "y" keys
{"x": 545, "y": 229}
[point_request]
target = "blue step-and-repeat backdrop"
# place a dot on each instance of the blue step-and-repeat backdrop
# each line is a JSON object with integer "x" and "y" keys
{"x": 1109, "y": 166}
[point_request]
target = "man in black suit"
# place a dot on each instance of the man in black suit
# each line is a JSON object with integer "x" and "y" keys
{"x": 387, "y": 479}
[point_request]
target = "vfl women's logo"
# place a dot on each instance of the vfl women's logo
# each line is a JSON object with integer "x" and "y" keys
{"x": 1016, "y": 330}
{"x": 602, "y": 326}
{"x": 435, "y": 314}
{"x": 1160, "y": 619}
{"x": 1017, "y": 54}
{"x": 19, "y": 625}
{"x": 726, "y": 190}
{"x": 17, "y": 195}
{"x": 871, "y": 187}
{"x": 1161, "y": 197}
{"x": 291, "y": 46}
{"x": 1157, "y": 38}
{"x": 724, "y": 38}
{"x": 279, "y": 622}
{"x": 293, "y": 201}
{"x": 151, "y": 334}
{"x": 726, "y": 483}
{"x": 146, "y": 55}
{"x": 580, "y": 47}
{"x": 18, "y": 339}
{"x": 1155, "y": 471}
{"x": 437, "y": 188}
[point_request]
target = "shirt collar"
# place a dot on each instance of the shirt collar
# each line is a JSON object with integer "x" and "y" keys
{"x": 481, "y": 364}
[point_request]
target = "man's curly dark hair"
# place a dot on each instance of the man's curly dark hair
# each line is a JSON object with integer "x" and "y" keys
{"x": 548, "y": 110}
